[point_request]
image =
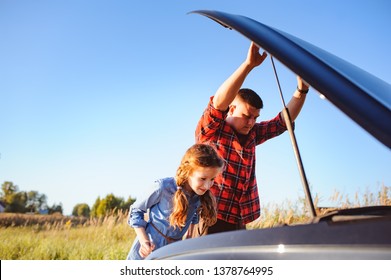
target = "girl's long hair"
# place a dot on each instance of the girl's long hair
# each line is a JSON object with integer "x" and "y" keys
{"x": 198, "y": 155}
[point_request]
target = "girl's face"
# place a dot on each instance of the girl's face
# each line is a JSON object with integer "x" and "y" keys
{"x": 202, "y": 178}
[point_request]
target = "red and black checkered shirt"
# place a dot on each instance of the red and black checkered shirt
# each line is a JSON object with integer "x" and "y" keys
{"x": 235, "y": 188}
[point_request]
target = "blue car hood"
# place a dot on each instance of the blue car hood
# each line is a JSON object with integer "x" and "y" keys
{"x": 363, "y": 97}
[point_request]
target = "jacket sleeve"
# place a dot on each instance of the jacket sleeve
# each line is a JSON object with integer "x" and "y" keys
{"x": 141, "y": 206}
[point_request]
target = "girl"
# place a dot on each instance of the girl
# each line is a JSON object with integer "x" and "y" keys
{"x": 177, "y": 202}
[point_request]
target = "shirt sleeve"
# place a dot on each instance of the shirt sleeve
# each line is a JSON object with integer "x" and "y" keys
{"x": 268, "y": 129}
{"x": 210, "y": 121}
{"x": 140, "y": 207}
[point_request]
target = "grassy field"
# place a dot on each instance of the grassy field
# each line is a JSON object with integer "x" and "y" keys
{"x": 62, "y": 238}
{"x": 57, "y": 237}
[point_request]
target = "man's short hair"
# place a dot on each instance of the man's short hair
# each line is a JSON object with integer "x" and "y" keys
{"x": 251, "y": 97}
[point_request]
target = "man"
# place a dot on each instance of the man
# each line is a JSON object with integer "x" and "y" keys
{"x": 229, "y": 123}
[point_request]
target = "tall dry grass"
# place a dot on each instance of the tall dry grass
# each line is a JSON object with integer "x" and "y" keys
{"x": 63, "y": 238}
{"x": 289, "y": 213}
{"x": 35, "y": 237}
{"x": 382, "y": 197}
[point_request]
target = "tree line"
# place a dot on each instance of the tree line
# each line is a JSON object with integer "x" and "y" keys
{"x": 16, "y": 201}
{"x": 102, "y": 207}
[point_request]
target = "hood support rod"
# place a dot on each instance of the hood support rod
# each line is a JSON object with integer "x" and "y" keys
{"x": 288, "y": 123}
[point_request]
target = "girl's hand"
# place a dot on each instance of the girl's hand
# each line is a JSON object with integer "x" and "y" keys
{"x": 146, "y": 248}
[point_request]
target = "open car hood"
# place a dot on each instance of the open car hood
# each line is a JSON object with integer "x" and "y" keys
{"x": 361, "y": 233}
{"x": 365, "y": 98}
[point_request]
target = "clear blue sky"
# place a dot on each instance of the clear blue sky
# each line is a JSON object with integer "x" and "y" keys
{"x": 102, "y": 97}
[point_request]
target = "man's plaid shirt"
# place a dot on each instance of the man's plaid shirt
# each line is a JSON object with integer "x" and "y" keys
{"x": 235, "y": 188}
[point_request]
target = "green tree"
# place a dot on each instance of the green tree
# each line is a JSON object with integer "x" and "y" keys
{"x": 126, "y": 205}
{"x": 36, "y": 201}
{"x": 14, "y": 200}
{"x": 102, "y": 209}
{"x": 20, "y": 201}
{"x": 55, "y": 209}
{"x": 110, "y": 205}
{"x": 81, "y": 210}
{"x": 16, "y": 203}
{"x": 7, "y": 189}
{"x": 94, "y": 210}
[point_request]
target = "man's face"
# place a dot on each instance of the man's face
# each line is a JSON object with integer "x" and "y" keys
{"x": 242, "y": 117}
